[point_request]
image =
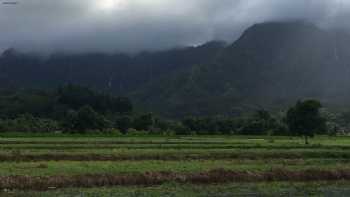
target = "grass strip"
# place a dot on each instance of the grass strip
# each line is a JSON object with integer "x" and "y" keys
{"x": 161, "y": 146}
{"x": 173, "y": 156}
{"x": 157, "y": 178}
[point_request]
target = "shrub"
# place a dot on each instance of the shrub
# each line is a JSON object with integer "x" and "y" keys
{"x": 28, "y": 123}
{"x": 86, "y": 119}
{"x": 134, "y": 132}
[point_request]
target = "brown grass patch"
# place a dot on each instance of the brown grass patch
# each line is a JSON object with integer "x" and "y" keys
{"x": 20, "y": 157}
{"x": 156, "y": 178}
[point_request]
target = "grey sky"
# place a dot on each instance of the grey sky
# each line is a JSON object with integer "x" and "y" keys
{"x": 133, "y": 25}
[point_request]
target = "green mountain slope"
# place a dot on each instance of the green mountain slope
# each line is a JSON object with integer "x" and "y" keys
{"x": 271, "y": 64}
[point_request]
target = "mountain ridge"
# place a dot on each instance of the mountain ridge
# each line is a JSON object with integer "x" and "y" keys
{"x": 271, "y": 64}
{"x": 276, "y": 62}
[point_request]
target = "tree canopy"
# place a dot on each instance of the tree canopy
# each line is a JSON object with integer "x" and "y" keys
{"x": 304, "y": 119}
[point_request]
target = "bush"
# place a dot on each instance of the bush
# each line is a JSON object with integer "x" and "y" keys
{"x": 86, "y": 119}
{"x": 144, "y": 122}
{"x": 113, "y": 131}
{"x": 254, "y": 127}
{"x": 123, "y": 123}
{"x": 28, "y": 123}
{"x": 134, "y": 132}
{"x": 180, "y": 129}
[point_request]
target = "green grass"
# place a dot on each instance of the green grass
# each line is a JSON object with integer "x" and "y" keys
{"x": 233, "y": 140}
{"x": 160, "y": 143}
{"x": 176, "y": 154}
{"x": 219, "y": 138}
{"x": 107, "y": 167}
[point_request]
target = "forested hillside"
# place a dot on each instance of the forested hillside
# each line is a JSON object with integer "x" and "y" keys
{"x": 271, "y": 64}
{"x": 115, "y": 73}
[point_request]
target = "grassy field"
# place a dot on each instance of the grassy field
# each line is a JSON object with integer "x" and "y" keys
{"x": 174, "y": 166}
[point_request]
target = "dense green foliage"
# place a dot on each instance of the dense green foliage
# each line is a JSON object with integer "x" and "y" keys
{"x": 70, "y": 108}
{"x": 56, "y": 104}
{"x": 85, "y": 119}
{"x": 29, "y": 124}
{"x": 75, "y": 109}
{"x": 305, "y": 119}
{"x": 260, "y": 123}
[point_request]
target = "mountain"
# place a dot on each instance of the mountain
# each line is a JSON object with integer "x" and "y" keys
{"x": 271, "y": 65}
{"x": 116, "y": 73}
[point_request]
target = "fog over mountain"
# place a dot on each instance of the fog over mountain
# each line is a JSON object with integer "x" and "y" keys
{"x": 133, "y": 25}
{"x": 272, "y": 64}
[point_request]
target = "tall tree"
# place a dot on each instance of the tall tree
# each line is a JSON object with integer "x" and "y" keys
{"x": 304, "y": 119}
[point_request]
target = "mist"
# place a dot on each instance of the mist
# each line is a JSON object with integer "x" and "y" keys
{"x": 136, "y": 25}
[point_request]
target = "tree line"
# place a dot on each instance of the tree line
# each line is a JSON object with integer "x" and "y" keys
{"x": 303, "y": 119}
{"x": 76, "y": 109}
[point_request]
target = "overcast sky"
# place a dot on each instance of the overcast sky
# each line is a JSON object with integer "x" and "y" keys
{"x": 133, "y": 25}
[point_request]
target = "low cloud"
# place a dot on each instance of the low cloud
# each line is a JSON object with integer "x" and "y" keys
{"x": 134, "y": 25}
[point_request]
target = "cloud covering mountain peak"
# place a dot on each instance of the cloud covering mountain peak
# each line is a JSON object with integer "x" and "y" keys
{"x": 134, "y": 25}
